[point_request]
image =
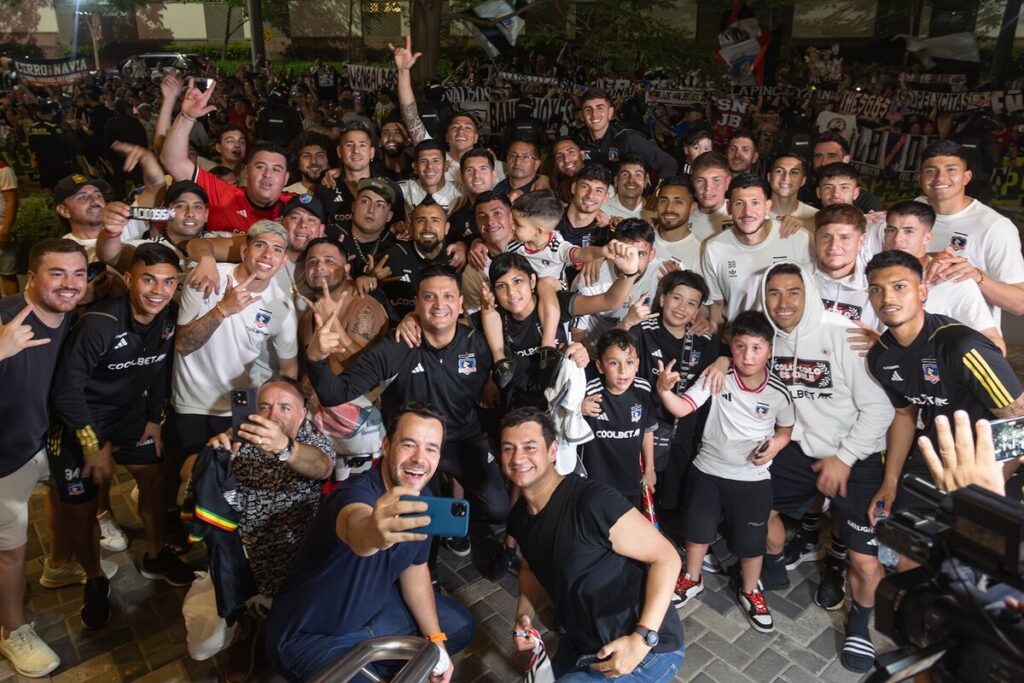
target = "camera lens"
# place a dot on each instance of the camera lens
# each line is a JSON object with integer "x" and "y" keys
{"x": 458, "y": 510}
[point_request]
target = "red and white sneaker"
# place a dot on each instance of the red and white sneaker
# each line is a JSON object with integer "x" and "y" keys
{"x": 687, "y": 588}
{"x": 757, "y": 610}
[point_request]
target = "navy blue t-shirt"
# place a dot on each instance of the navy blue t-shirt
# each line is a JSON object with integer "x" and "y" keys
{"x": 331, "y": 590}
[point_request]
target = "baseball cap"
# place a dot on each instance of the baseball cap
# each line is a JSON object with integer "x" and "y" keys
{"x": 378, "y": 185}
{"x": 70, "y": 185}
{"x": 307, "y": 202}
{"x": 181, "y": 187}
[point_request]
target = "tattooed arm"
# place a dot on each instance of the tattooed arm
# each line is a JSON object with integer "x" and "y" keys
{"x": 404, "y": 60}
{"x": 194, "y": 335}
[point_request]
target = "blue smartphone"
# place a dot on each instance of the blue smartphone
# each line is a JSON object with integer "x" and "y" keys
{"x": 448, "y": 516}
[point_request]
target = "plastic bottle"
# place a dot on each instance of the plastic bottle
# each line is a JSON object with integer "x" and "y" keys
{"x": 886, "y": 555}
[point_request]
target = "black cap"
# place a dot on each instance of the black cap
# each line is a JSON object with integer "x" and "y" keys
{"x": 307, "y": 202}
{"x": 379, "y": 186}
{"x": 70, "y": 185}
{"x": 181, "y": 187}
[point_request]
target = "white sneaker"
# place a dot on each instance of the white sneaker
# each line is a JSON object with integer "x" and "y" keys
{"x": 112, "y": 538}
{"x": 71, "y": 574}
{"x": 28, "y": 654}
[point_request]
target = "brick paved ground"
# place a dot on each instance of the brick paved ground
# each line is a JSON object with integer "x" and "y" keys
{"x": 145, "y": 639}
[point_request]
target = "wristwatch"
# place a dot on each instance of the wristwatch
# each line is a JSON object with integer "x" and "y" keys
{"x": 287, "y": 452}
{"x": 650, "y": 637}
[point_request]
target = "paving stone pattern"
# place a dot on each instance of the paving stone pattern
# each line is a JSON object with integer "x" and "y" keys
{"x": 145, "y": 640}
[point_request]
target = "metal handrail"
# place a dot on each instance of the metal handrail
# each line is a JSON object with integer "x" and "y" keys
{"x": 422, "y": 656}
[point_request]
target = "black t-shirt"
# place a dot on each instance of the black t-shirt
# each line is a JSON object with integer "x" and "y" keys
{"x": 522, "y": 342}
{"x": 359, "y": 252}
{"x": 25, "y": 381}
{"x": 948, "y": 367}
{"x": 588, "y": 235}
{"x": 598, "y": 594}
{"x": 692, "y": 354}
{"x": 614, "y": 454}
{"x": 462, "y": 225}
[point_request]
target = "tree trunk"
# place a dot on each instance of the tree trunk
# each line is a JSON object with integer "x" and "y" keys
{"x": 426, "y": 37}
{"x": 227, "y": 34}
{"x": 1003, "y": 57}
{"x": 259, "y": 50}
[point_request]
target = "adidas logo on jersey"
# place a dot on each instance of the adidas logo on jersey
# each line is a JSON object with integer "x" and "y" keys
{"x": 895, "y": 376}
{"x": 243, "y": 213}
{"x": 603, "y": 416}
{"x": 121, "y": 342}
{"x": 418, "y": 368}
{"x": 656, "y": 353}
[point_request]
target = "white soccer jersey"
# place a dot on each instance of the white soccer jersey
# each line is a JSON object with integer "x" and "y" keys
{"x": 987, "y": 238}
{"x": 704, "y": 225}
{"x": 614, "y": 208}
{"x": 645, "y": 286}
{"x": 203, "y": 380}
{"x": 733, "y": 270}
{"x": 685, "y": 252}
{"x": 739, "y": 421}
{"x": 962, "y": 301}
{"x": 804, "y": 213}
{"x": 551, "y": 259}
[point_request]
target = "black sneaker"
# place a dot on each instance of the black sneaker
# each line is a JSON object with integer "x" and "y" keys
{"x": 832, "y": 587}
{"x": 503, "y": 372}
{"x": 503, "y": 562}
{"x": 96, "y": 603}
{"x": 799, "y": 550}
{"x": 459, "y": 546}
{"x": 168, "y": 567}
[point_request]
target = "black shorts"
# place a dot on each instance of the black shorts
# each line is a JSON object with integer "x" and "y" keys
{"x": 66, "y": 456}
{"x": 906, "y": 499}
{"x": 185, "y": 434}
{"x": 795, "y": 486}
{"x": 740, "y": 508}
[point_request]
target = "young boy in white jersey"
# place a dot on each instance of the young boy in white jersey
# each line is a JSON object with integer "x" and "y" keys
{"x": 749, "y": 423}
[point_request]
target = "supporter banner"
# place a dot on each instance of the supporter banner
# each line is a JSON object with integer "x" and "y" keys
{"x": 361, "y": 77}
{"x": 1008, "y": 183}
{"x": 466, "y": 93}
{"x": 934, "y": 82}
{"x": 524, "y": 79}
{"x": 682, "y": 98}
{"x": 500, "y": 112}
{"x": 620, "y": 87}
{"x": 895, "y": 155}
{"x": 864, "y": 105}
{"x": 546, "y": 108}
{"x": 1000, "y": 101}
{"x": 57, "y": 72}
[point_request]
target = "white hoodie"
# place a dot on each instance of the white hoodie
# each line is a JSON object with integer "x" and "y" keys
{"x": 840, "y": 409}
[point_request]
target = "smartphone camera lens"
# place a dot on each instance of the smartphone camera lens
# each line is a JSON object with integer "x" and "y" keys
{"x": 459, "y": 510}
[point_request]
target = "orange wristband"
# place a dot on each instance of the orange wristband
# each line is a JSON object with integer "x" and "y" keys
{"x": 438, "y": 638}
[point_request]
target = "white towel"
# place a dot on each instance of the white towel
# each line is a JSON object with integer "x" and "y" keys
{"x": 565, "y": 397}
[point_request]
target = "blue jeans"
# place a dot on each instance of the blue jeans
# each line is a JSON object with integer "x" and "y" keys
{"x": 307, "y": 654}
{"x": 659, "y": 667}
